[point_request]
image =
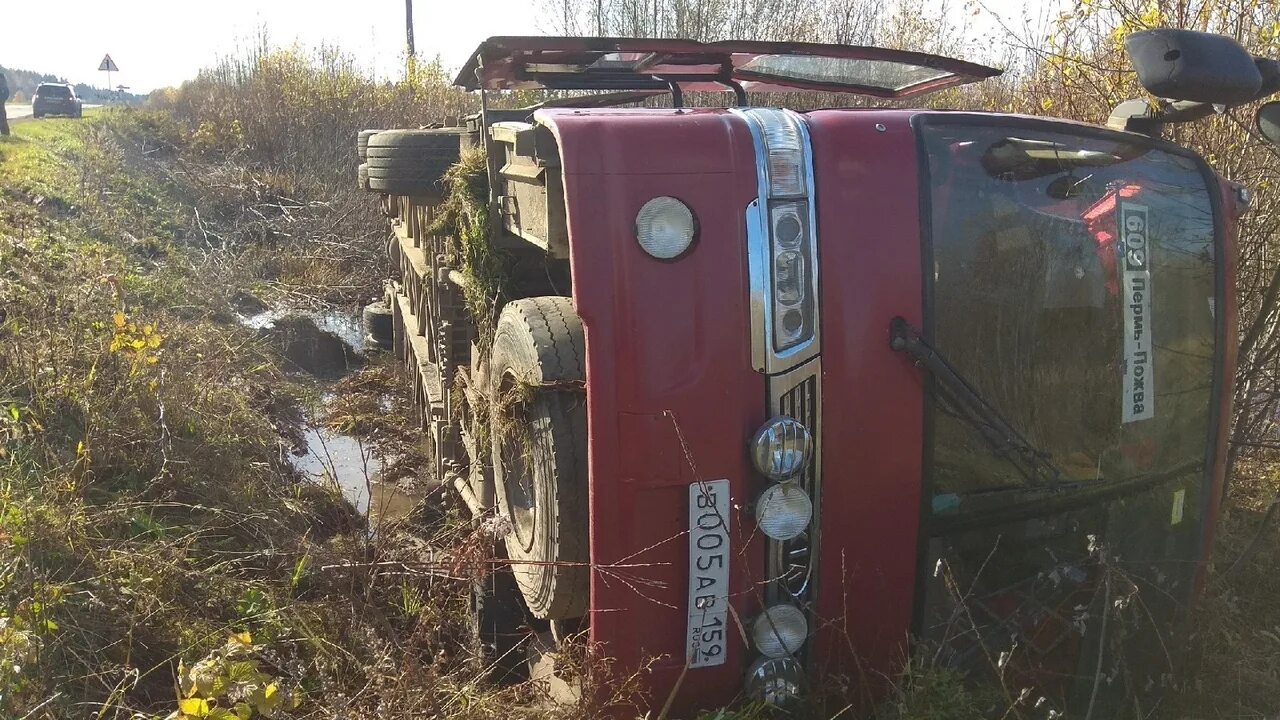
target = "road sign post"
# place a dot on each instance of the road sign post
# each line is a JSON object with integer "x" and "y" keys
{"x": 108, "y": 65}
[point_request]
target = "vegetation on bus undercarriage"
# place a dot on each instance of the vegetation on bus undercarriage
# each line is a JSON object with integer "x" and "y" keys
{"x": 464, "y": 216}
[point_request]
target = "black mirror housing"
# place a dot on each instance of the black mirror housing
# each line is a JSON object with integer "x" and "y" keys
{"x": 1196, "y": 66}
{"x": 1269, "y": 122}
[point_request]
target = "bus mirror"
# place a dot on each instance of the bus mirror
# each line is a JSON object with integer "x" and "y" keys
{"x": 1190, "y": 65}
{"x": 1269, "y": 121}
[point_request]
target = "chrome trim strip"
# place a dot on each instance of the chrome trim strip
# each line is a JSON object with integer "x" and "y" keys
{"x": 759, "y": 297}
{"x": 759, "y": 256}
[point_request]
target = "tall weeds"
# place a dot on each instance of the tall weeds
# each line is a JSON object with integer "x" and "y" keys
{"x": 297, "y": 111}
{"x": 157, "y": 550}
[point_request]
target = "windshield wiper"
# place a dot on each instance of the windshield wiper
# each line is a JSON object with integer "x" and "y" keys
{"x": 969, "y": 405}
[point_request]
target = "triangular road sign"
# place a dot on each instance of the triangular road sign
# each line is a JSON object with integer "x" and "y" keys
{"x": 108, "y": 64}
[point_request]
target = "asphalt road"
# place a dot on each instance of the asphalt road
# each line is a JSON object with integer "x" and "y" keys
{"x": 17, "y": 112}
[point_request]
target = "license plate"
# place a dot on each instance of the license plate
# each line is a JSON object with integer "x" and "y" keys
{"x": 709, "y": 509}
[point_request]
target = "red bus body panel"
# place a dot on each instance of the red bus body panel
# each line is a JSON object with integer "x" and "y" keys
{"x": 665, "y": 407}
{"x": 868, "y": 203}
{"x": 664, "y": 411}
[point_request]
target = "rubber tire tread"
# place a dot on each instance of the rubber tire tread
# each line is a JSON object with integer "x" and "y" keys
{"x": 362, "y": 141}
{"x": 413, "y": 153}
{"x": 406, "y": 163}
{"x": 421, "y": 176}
{"x": 433, "y": 166}
{"x": 428, "y": 164}
{"x": 395, "y": 152}
{"x": 437, "y": 138}
{"x": 540, "y": 341}
{"x": 499, "y": 628}
{"x": 402, "y": 186}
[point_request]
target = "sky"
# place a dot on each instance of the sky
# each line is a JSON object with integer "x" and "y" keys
{"x": 160, "y": 43}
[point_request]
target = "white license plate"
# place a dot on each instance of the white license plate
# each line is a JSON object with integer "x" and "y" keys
{"x": 709, "y": 508}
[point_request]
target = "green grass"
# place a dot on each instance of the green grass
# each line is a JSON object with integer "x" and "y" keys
{"x": 146, "y": 509}
{"x": 133, "y": 461}
{"x": 29, "y": 155}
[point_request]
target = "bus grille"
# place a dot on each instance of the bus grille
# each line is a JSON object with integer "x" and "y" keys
{"x": 790, "y": 562}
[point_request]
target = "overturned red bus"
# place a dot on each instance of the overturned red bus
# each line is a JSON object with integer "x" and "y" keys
{"x": 765, "y": 396}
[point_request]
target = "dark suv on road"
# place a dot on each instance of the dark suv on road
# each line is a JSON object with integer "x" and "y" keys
{"x": 55, "y": 99}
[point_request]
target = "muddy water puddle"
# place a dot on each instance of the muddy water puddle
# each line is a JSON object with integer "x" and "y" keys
{"x": 354, "y": 467}
{"x": 325, "y": 343}
{"x": 329, "y": 344}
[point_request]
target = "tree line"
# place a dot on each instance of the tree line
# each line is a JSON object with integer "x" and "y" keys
{"x": 23, "y": 84}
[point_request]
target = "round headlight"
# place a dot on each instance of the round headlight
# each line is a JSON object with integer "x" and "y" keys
{"x": 787, "y": 227}
{"x": 781, "y": 449}
{"x": 665, "y": 227}
{"x": 780, "y": 631}
{"x": 775, "y": 681}
{"x": 783, "y": 511}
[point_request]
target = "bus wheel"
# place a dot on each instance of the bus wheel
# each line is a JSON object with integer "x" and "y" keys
{"x": 500, "y": 632}
{"x": 411, "y": 162}
{"x": 538, "y": 432}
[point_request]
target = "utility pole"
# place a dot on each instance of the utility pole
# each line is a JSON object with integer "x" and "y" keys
{"x": 408, "y": 25}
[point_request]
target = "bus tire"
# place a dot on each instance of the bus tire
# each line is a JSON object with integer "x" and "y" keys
{"x": 362, "y": 142}
{"x": 422, "y": 156}
{"x": 499, "y": 628}
{"x": 539, "y": 439}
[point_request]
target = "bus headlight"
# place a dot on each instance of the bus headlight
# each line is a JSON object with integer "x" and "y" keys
{"x": 783, "y": 511}
{"x": 665, "y": 227}
{"x": 780, "y": 631}
{"x": 780, "y": 450}
{"x": 782, "y": 242}
{"x": 792, "y": 274}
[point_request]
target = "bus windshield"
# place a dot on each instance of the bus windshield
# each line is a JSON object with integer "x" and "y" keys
{"x": 1074, "y": 287}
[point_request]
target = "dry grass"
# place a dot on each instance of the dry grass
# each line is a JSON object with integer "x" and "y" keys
{"x": 297, "y": 112}
{"x": 1234, "y": 668}
{"x": 146, "y": 504}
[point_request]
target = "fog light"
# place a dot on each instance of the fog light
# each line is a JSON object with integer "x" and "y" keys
{"x": 775, "y": 681}
{"x": 665, "y": 227}
{"x": 781, "y": 449}
{"x": 783, "y": 511}
{"x": 780, "y": 631}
